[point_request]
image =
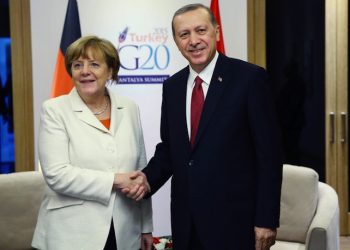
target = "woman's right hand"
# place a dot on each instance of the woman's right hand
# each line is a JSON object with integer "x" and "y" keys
{"x": 134, "y": 185}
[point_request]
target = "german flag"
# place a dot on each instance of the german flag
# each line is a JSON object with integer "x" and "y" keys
{"x": 214, "y": 6}
{"x": 62, "y": 82}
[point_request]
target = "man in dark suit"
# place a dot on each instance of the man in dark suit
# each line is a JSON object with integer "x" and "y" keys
{"x": 226, "y": 171}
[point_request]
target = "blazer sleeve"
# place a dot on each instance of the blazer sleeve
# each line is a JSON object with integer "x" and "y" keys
{"x": 146, "y": 204}
{"x": 59, "y": 174}
{"x": 266, "y": 136}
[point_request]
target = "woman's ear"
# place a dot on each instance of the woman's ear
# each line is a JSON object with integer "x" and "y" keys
{"x": 110, "y": 74}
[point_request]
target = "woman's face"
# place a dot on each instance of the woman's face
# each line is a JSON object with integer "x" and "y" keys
{"x": 90, "y": 74}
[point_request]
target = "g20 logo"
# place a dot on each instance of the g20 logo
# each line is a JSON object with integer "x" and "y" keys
{"x": 144, "y": 57}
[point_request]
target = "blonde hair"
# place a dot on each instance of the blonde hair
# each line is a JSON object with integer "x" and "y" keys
{"x": 100, "y": 46}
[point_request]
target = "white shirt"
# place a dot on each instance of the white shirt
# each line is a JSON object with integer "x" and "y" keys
{"x": 206, "y": 75}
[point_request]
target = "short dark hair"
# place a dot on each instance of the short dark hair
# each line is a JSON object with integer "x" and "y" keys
{"x": 100, "y": 46}
{"x": 191, "y": 7}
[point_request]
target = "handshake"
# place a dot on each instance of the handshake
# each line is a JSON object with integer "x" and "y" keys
{"x": 134, "y": 184}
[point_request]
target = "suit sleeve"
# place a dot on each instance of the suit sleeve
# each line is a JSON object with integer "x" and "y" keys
{"x": 266, "y": 136}
{"x": 159, "y": 168}
{"x": 59, "y": 174}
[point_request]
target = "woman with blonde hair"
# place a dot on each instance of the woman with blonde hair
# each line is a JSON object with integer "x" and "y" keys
{"x": 88, "y": 141}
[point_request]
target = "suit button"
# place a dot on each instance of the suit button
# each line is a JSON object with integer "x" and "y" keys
{"x": 110, "y": 149}
{"x": 191, "y": 163}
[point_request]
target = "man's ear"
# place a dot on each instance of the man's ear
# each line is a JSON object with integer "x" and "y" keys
{"x": 217, "y": 31}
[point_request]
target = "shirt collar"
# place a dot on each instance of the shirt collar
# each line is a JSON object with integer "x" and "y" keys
{"x": 206, "y": 74}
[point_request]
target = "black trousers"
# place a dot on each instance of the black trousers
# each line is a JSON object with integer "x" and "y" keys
{"x": 195, "y": 243}
{"x": 111, "y": 241}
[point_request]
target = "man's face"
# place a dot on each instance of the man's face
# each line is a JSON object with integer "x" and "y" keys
{"x": 196, "y": 37}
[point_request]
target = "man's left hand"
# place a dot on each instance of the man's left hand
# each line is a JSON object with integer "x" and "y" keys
{"x": 264, "y": 238}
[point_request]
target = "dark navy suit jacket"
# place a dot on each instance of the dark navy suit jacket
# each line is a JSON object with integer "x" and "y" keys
{"x": 230, "y": 181}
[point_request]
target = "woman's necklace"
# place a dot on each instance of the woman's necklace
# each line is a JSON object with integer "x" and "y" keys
{"x": 102, "y": 110}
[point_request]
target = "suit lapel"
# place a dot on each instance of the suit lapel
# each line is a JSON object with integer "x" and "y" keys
{"x": 215, "y": 91}
{"x": 181, "y": 87}
{"x": 83, "y": 112}
{"x": 117, "y": 113}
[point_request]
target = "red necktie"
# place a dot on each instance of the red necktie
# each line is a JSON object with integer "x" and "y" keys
{"x": 197, "y": 102}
